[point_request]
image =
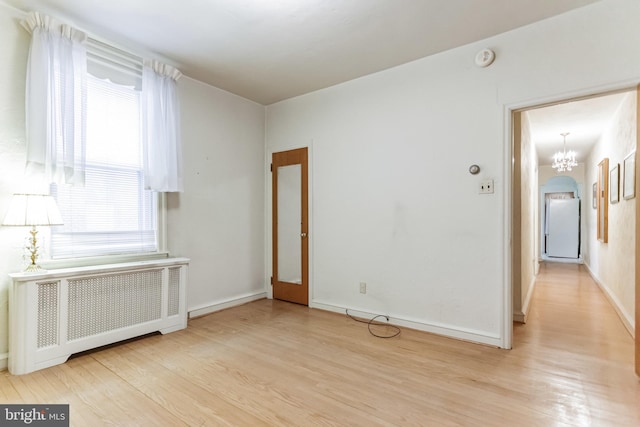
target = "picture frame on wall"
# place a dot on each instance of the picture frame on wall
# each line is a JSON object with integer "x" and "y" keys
{"x": 629, "y": 176}
{"x": 594, "y": 196}
{"x": 602, "y": 230}
{"x": 614, "y": 184}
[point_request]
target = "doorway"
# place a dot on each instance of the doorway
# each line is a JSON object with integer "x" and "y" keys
{"x": 560, "y": 220}
{"x": 290, "y": 225}
{"x": 527, "y": 223}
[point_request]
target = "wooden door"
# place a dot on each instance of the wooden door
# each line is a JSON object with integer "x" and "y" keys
{"x": 290, "y": 226}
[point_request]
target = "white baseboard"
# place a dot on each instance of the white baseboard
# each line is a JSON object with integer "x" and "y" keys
{"x": 444, "y": 330}
{"x": 626, "y": 319}
{"x": 4, "y": 361}
{"x": 217, "y": 306}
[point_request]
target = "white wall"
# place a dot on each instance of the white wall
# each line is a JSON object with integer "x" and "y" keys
{"x": 14, "y": 45}
{"x": 529, "y": 205}
{"x": 393, "y": 202}
{"x": 217, "y": 222}
{"x": 546, "y": 172}
{"x": 613, "y": 263}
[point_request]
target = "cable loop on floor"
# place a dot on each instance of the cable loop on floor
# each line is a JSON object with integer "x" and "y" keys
{"x": 373, "y": 322}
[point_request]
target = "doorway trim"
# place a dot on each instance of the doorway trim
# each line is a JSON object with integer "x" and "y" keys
{"x": 511, "y": 207}
{"x": 551, "y": 186}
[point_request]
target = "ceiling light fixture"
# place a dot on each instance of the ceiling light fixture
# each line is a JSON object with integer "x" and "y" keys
{"x": 564, "y": 160}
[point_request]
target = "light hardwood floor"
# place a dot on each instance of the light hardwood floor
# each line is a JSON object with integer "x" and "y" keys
{"x": 274, "y": 363}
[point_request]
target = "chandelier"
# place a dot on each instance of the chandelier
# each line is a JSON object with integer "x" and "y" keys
{"x": 564, "y": 160}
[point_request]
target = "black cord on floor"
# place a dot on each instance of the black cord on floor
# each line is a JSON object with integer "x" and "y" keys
{"x": 374, "y": 323}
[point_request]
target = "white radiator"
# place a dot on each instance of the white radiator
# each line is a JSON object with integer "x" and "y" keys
{"x": 57, "y": 313}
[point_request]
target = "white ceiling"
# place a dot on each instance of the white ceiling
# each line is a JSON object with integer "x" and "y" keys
{"x": 270, "y": 50}
{"x": 585, "y": 120}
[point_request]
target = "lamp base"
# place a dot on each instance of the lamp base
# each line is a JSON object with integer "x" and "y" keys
{"x": 33, "y": 268}
{"x": 33, "y": 253}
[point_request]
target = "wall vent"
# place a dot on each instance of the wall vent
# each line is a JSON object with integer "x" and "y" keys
{"x": 48, "y": 314}
{"x": 106, "y": 303}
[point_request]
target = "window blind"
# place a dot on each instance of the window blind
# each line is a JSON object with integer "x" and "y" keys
{"x": 107, "y": 62}
{"x": 112, "y": 213}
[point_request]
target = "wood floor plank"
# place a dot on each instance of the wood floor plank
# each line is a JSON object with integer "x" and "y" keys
{"x": 279, "y": 364}
{"x": 180, "y": 396}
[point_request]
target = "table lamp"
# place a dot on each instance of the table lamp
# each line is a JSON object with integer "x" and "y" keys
{"x": 32, "y": 210}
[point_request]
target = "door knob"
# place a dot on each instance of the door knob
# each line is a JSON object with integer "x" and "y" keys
{"x": 303, "y": 234}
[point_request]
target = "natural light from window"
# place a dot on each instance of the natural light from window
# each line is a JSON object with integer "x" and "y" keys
{"x": 112, "y": 214}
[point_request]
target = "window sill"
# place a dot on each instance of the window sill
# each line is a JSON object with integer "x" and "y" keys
{"x": 53, "y": 264}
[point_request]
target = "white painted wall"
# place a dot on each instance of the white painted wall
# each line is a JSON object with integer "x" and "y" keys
{"x": 578, "y": 173}
{"x": 14, "y": 45}
{"x": 529, "y": 231}
{"x": 393, "y": 203}
{"x": 613, "y": 263}
{"x": 218, "y": 221}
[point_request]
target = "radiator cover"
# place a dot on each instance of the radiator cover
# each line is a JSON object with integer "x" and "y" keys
{"x": 57, "y": 313}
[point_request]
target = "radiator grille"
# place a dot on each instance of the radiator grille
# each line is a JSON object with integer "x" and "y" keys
{"x": 174, "y": 291}
{"x": 106, "y": 303}
{"x": 47, "y": 314}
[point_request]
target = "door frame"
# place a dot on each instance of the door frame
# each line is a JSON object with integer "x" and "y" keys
{"x": 511, "y": 244}
{"x": 550, "y": 187}
{"x": 268, "y": 214}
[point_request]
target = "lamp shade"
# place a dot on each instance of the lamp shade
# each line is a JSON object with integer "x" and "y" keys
{"x": 33, "y": 209}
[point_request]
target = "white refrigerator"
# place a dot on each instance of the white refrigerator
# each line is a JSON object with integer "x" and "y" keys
{"x": 563, "y": 228}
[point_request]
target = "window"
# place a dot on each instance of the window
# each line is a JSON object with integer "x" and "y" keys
{"x": 113, "y": 213}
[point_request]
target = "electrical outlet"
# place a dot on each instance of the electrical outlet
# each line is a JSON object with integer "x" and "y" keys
{"x": 363, "y": 288}
{"x": 486, "y": 187}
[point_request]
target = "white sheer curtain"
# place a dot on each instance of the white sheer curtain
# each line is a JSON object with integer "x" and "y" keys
{"x": 161, "y": 128}
{"x": 55, "y": 100}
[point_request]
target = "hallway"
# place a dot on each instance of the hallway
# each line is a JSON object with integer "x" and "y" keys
{"x": 574, "y": 336}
